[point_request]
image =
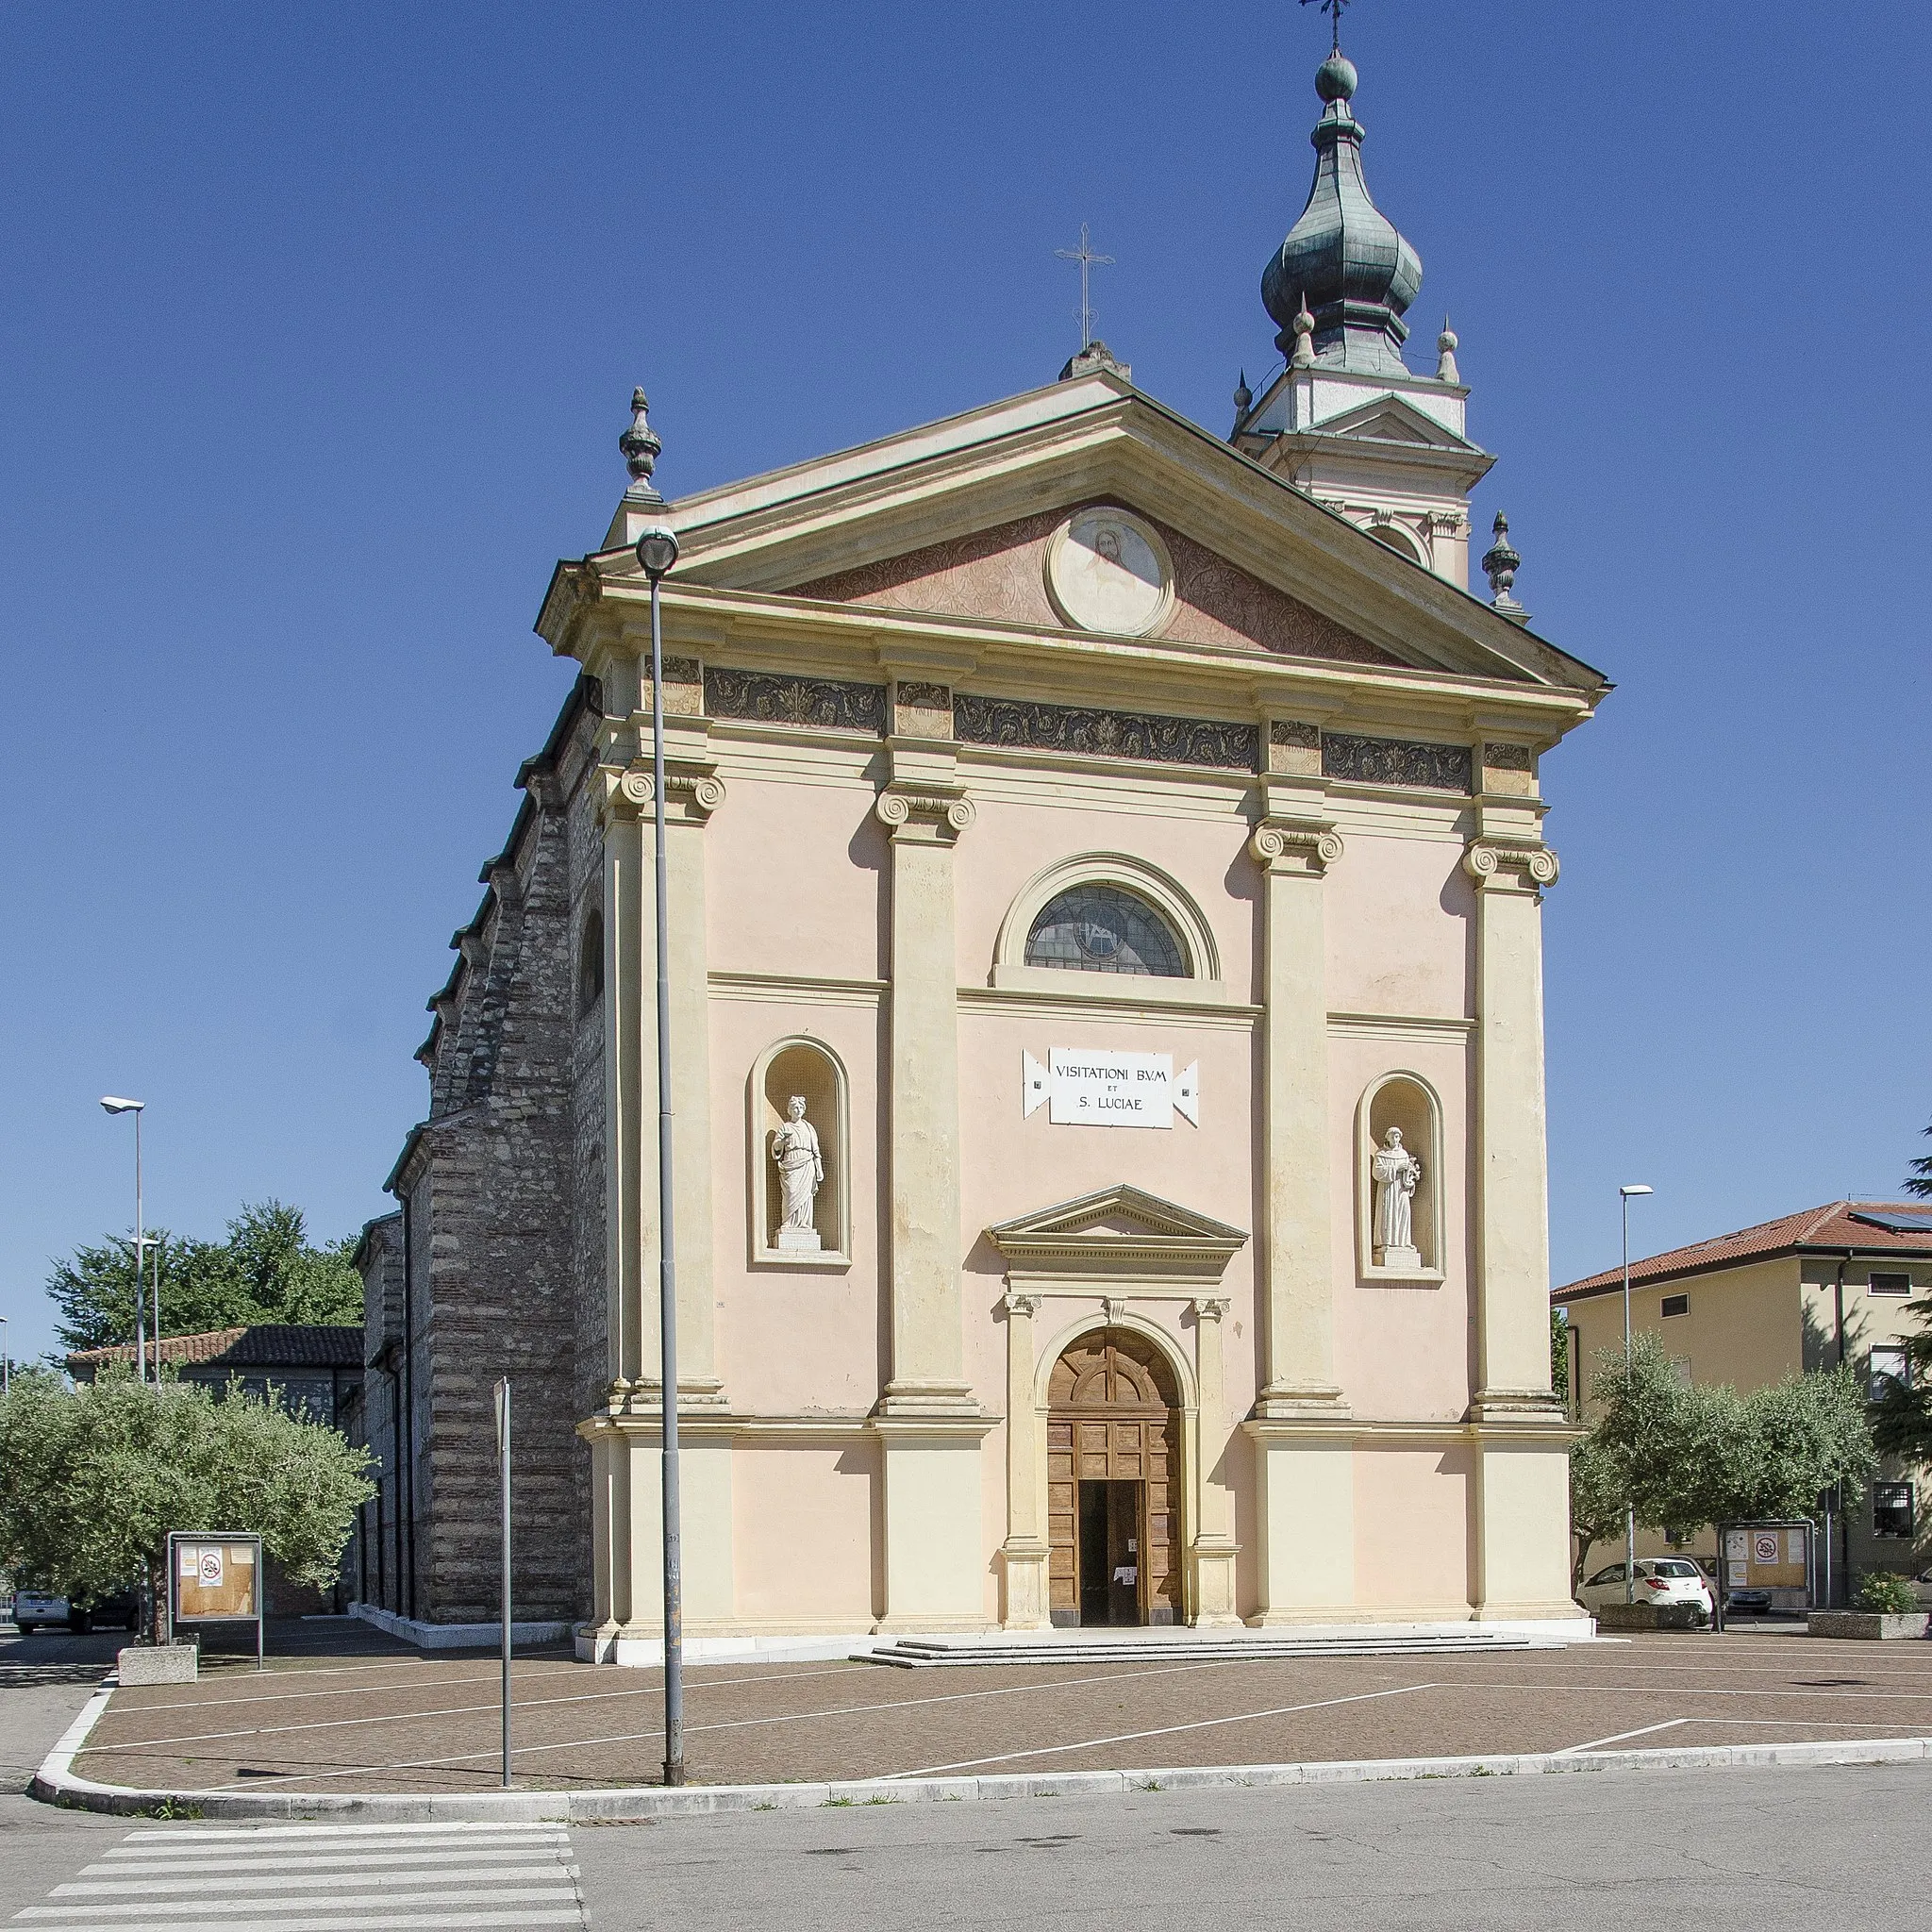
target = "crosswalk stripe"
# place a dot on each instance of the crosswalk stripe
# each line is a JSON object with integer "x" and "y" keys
{"x": 430, "y": 1877}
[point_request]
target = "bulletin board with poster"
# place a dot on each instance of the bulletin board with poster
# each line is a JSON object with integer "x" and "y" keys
{"x": 215, "y": 1578}
{"x": 1774, "y": 1558}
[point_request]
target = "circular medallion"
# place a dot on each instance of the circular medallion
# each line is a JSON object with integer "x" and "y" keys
{"x": 1107, "y": 569}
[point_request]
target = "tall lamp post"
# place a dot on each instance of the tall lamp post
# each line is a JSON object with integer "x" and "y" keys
{"x": 657, "y": 553}
{"x": 6, "y": 1363}
{"x": 114, "y": 1103}
{"x": 1629, "y": 1509}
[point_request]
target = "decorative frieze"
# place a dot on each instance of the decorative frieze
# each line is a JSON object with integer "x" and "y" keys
{"x": 1034, "y": 726}
{"x": 825, "y": 703}
{"x": 1507, "y": 757}
{"x": 1396, "y": 761}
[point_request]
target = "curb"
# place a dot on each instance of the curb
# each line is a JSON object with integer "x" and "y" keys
{"x": 56, "y": 1784}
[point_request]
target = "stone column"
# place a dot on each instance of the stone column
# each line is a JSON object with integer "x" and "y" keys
{"x": 1025, "y": 1552}
{"x": 929, "y": 1423}
{"x": 1521, "y": 1488}
{"x": 1214, "y": 1549}
{"x": 1304, "y": 1453}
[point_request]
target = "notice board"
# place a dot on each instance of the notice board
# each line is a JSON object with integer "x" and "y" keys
{"x": 217, "y": 1578}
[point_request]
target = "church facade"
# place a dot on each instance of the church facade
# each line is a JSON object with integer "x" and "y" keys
{"x": 1106, "y": 864}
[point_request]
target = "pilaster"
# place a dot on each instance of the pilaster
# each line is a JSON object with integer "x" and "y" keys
{"x": 1214, "y": 1549}
{"x": 1024, "y": 1552}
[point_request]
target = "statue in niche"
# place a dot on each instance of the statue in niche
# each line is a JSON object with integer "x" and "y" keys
{"x": 1396, "y": 1172}
{"x": 801, "y": 1173}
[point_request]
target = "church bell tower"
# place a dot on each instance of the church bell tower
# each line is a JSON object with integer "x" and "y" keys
{"x": 1346, "y": 421}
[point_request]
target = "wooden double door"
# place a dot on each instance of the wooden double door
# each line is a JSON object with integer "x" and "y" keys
{"x": 1113, "y": 1484}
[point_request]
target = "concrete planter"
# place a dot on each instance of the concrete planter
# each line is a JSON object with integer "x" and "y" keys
{"x": 1870, "y": 1625}
{"x": 1650, "y": 1617}
{"x": 158, "y": 1663}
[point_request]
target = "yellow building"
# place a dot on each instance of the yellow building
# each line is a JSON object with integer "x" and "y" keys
{"x": 1807, "y": 1292}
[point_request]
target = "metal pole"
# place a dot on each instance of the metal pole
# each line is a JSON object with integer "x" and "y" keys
{"x": 667, "y": 1262}
{"x": 154, "y": 1305}
{"x": 6, "y": 1363}
{"x": 140, "y": 1255}
{"x": 1629, "y": 1508}
{"x": 503, "y": 1493}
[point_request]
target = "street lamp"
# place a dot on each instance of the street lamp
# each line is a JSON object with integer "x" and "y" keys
{"x": 114, "y": 1103}
{"x": 6, "y": 1361}
{"x": 1630, "y": 1507}
{"x": 657, "y": 553}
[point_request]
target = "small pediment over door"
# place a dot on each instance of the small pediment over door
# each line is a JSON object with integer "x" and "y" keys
{"x": 1118, "y": 1239}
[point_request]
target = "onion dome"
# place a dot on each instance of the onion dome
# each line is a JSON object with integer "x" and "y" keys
{"x": 1344, "y": 259}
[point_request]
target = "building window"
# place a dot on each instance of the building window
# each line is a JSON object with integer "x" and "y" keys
{"x": 1891, "y": 1509}
{"x": 1890, "y": 1284}
{"x": 1677, "y": 1304}
{"x": 1680, "y": 1367}
{"x": 591, "y": 964}
{"x": 1888, "y": 1367}
{"x": 1102, "y": 930}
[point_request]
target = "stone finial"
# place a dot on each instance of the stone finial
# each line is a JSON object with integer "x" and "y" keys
{"x": 1244, "y": 395}
{"x": 1304, "y": 357}
{"x": 1446, "y": 346}
{"x": 1500, "y": 565}
{"x": 1097, "y": 357}
{"x": 642, "y": 447}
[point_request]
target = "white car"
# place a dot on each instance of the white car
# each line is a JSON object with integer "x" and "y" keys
{"x": 1659, "y": 1580}
{"x": 32, "y": 1609}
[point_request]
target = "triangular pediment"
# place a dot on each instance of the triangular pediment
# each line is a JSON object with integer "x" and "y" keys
{"x": 1392, "y": 418}
{"x": 1116, "y": 1234}
{"x": 945, "y": 522}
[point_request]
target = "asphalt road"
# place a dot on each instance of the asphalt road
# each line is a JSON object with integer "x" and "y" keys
{"x": 1758, "y": 1851}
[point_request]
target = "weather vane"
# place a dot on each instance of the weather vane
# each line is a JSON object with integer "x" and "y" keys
{"x": 1333, "y": 8}
{"x": 1085, "y": 256}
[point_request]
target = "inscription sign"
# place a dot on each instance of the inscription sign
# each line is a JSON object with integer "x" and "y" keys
{"x": 1101, "y": 1087}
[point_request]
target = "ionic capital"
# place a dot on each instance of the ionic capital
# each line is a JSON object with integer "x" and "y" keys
{"x": 1295, "y": 847}
{"x": 933, "y": 815}
{"x": 1211, "y": 1307}
{"x": 1023, "y": 1304}
{"x": 691, "y": 793}
{"x": 1498, "y": 866}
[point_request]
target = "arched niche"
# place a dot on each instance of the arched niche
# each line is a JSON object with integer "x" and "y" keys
{"x": 1403, "y": 1100}
{"x": 1164, "y": 899}
{"x": 809, "y": 1070}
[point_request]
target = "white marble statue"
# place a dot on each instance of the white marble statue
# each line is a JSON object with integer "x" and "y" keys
{"x": 1396, "y": 1172}
{"x": 801, "y": 1173}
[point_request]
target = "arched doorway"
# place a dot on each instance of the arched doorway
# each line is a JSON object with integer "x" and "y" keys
{"x": 1113, "y": 1483}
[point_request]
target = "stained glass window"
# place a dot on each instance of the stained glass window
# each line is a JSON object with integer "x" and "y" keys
{"x": 1103, "y": 930}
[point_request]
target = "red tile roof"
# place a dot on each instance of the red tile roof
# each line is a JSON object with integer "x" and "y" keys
{"x": 1829, "y": 1229}
{"x": 267, "y": 1344}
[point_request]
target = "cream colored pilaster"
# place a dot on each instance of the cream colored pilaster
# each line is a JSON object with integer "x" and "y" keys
{"x": 1304, "y": 1454}
{"x": 1214, "y": 1549}
{"x": 1521, "y": 1500}
{"x": 924, "y": 809}
{"x": 1024, "y": 1552}
{"x": 930, "y": 1424}
{"x": 630, "y": 1044}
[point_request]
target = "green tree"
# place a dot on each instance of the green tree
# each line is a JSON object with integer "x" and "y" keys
{"x": 1902, "y": 1419}
{"x": 1683, "y": 1456}
{"x": 98, "y": 1474}
{"x": 265, "y": 1270}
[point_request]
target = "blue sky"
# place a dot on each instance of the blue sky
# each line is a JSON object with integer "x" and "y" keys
{"x": 321, "y": 328}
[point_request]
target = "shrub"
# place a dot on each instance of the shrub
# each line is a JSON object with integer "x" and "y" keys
{"x": 1889, "y": 1594}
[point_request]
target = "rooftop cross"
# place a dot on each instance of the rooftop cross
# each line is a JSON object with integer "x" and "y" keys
{"x": 1333, "y": 8}
{"x": 1085, "y": 256}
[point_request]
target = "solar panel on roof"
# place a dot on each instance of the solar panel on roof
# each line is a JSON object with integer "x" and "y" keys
{"x": 1896, "y": 1220}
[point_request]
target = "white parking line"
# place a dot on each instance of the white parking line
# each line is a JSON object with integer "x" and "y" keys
{"x": 1164, "y": 1731}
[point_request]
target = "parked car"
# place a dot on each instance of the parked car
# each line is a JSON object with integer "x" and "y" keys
{"x": 1921, "y": 1587}
{"x": 1659, "y": 1580}
{"x": 34, "y": 1608}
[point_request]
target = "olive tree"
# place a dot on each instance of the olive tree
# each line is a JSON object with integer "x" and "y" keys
{"x": 97, "y": 1476}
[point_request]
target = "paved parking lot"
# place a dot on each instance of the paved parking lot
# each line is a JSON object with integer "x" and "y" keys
{"x": 357, "y": 1714}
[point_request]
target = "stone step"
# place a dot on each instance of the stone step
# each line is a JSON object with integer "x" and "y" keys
{"x": 929, "y": 1652}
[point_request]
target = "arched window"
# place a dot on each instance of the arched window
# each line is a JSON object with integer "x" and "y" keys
{"x": 591, "y": 964}
{"x": 1098, "y": 928}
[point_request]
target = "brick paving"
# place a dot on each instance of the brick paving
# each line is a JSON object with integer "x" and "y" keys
{"x": 356, "y": 1716}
